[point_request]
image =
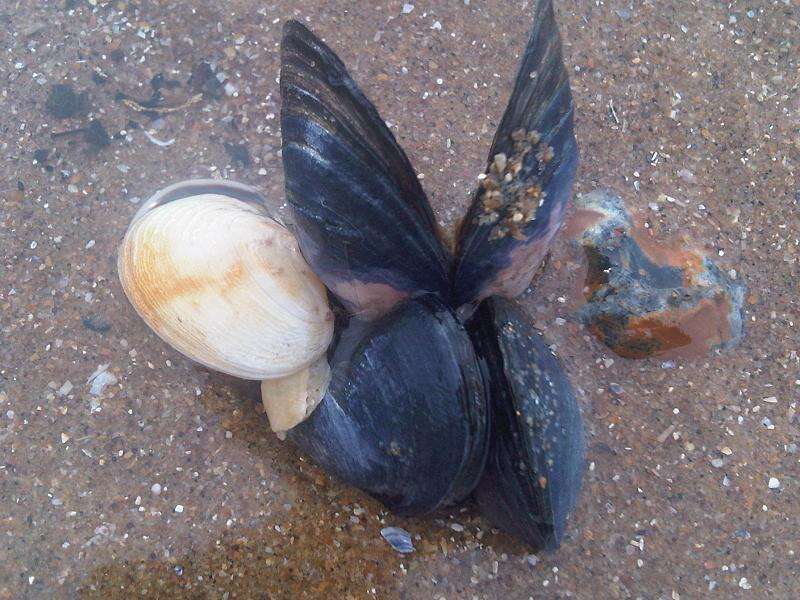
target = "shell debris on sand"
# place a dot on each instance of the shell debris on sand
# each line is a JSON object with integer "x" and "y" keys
{"x": 100, "y": 379}
{"x": 398, "y": 538}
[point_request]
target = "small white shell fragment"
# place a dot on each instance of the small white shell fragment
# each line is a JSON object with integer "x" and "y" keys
{"x": 290, "y": 400}
{"x": 398, "y": 538}
{"x": 100, "y": 379}
{"x": 223, "y": 283}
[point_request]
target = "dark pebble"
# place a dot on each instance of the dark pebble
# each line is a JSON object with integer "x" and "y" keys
{"x": 40, "y": 156}
{"x": 204, "y": 80}
{"x": 96, "y": 323}
{"x": 99, "y": 78}
{"x": 239, "y": 154}
{"x": 96, "y": 135}
{"x": 64, "y": 103}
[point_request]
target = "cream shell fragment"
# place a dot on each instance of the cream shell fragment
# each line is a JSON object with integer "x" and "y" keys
{"x": 226, "y": 285}
{"x": 289, "y": 400}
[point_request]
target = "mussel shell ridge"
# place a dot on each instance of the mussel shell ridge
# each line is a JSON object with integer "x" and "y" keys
{"x": 536, "y": 457}
{"x": 405, "y": 415}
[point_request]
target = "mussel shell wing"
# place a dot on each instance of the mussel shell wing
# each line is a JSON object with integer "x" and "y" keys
{"x": 363, "y": 221}
{"x": 520, "y": 205}
{"x": 536, "y": 457}
{"x": 405, "y": 415}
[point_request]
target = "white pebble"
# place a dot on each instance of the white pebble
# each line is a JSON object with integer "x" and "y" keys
{"x": 155, "y": 489}
{"x": 774, "y": 484}
{"x": 744, "y": 584}
{"x": 65, "y": 389}
{"x": 179, "y": 508}
{"x": 407, "y": 8}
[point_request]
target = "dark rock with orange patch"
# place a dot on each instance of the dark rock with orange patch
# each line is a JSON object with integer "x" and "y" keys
{"x": 643, "y": 299}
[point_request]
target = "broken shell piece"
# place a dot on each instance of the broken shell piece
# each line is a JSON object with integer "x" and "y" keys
{"x": 289, "y": 400}
{"x": 223, "y": 283}
{"x": 645, "y": 299}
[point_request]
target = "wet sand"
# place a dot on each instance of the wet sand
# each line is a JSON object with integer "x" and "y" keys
{"x": 169, "y": 484}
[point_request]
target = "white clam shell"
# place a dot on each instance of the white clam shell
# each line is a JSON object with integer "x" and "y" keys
{"x": 219, "y": 280}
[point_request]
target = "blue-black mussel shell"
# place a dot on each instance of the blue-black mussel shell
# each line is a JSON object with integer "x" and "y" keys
{"x": 363, "y": 221}
{"x": 533, "y": 472}
{"x": 520, "y": 204}
{"x": 405, "y": 416}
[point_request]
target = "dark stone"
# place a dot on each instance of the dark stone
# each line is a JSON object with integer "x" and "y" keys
{"x": 96, "y": 323}
{"x": 96, "y": 135}
{"x": 40, "y": 156}
{"x": 99, "y": 78}
{"x": 204, "y": 81}
{"x": 157, "y": 81}
{"x": 64, "y": 103}
{"x": 239, "y": 154}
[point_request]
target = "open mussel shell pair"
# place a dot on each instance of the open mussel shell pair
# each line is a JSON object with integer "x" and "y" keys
{"x": 435, "y": 385}
{"x": 367, "y": 230}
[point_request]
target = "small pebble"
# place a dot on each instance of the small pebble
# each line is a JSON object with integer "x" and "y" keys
{"x": 774, "y": 484}
{"x": 155, "y": 489}
{"x": 616, "y": 389}
{"x": 407, "y": 8}
{"x": 717, "y": 462}
{"x": 179, "y": 508}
